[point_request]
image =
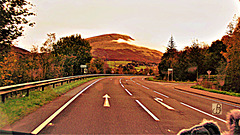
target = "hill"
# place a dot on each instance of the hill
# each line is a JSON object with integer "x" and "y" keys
{"x": 107, "y": 47}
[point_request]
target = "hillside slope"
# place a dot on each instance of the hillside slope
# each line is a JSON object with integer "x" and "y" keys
{"x": 106, "y": 46}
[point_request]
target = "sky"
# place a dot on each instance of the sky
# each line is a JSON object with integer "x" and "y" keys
{"x": 150, "y": 22}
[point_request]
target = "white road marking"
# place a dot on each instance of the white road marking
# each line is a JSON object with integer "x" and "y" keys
{"x": 203, "y": 112}
{"x": 161, "y": 94}
{"x": 141, "y": 85}
{"x": 149, "y": 112}
{"x": 106, "y": 102}
{"x": 124, "y": 88}
{"x": 40, "y": 127}
{"x": 206, "y": 98}
{"x": 145, "y": 87}
{"x": 165, "y": 105}
{"x": 128, "y": 92}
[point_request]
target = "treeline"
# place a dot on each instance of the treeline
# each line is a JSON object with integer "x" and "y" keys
{"x": 222, "y": 58}
{"x": 52, "y": 60}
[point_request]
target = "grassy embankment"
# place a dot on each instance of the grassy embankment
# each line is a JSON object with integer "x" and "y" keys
{"x": 216, "y": 91}
{"x": 16, "y": 108}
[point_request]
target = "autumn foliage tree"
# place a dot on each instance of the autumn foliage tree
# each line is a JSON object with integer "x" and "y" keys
{"x": 96, "y": 66}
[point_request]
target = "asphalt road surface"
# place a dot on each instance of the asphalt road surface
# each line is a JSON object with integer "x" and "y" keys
{"x": 135, "y": 106}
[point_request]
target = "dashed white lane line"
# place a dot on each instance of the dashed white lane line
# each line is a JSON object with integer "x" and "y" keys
{"x": 145, "y": 87}
{"x": 41, "y": 126}
{"x": 125, "y": 88}
{"x": 165, "y": 105}
{"x": 203, "y": 112}
{"x": 161, "y": 94}
{"x": 149, "y": 112}
{"x": 128, "y": 92}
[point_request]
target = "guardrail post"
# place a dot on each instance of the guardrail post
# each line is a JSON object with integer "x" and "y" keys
{"x": 42, "y": 88}
{"x": 27, "y": 93}
{"x": 3, "y": 97}
{"x": 61, "y": 83}
{"x": 54, "y": 85}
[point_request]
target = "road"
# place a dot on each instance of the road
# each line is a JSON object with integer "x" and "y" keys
{"x": 137, "y": 106}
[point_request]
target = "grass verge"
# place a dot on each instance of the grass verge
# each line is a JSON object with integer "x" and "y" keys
{"x": 16, "y": 108}
{"x": 216, "y": 91}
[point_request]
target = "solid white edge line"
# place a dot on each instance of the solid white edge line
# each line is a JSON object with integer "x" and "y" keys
{"x": 49, "y": 119}
{"x": 207, "y": 98}
{"x": 203, "y": 112}
{"x": 149, "y": 112}
{"x": 161, "y": 94}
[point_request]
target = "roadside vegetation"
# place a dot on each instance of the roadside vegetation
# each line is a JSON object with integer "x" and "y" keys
{"x": 16, "y": 108}
{"x": 216, "y": 91}
{"x": 221, "y": 59}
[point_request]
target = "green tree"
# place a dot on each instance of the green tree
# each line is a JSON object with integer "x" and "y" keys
{"x": 74, "y": 46}
{"x": 232, "y": 41}
{"x": 215, "y": 56}
{"x": 168, "y": 59}
{"x": 13, "y": 17}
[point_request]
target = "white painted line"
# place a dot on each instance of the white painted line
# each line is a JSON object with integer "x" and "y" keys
{"x": 128, "y": 92}
{"x": 203, "y": 112}
{"x": 145, "y": 87}
{"x": 158, "y": 98}
{"x": 207, "y": 98}
{"x": 124, "y": 88}
{"x": 149, "y": 112}
{"x": 41, "y": 126}
{"x": 165, "y": 105}
{"x": 161, "y": 94}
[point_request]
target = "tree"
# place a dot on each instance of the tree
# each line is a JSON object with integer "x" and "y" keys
{"x": 168, "y": 59}
{"x": 215, "y": 56}
{"x": 171, "y": 44}
{"x": 74, "y": 46}
{"x": 232, "y": 81}
{"x": 96, "y": 66}
{"x": 13, "y": 17}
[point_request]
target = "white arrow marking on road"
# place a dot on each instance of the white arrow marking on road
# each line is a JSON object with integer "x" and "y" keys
{"x": 106, "y": 102}
{"x": 165, "y": 105}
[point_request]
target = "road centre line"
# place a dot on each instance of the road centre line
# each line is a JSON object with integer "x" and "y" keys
{"x": 207, "y": 98}
{"x": 149, "y": 112}
{"x": 41, "y": 126}
{"x": 203, "y": 112}
{"x": 161, "y": 94}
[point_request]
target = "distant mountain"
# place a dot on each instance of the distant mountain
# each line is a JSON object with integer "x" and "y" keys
{"x": 107, "y": 47}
